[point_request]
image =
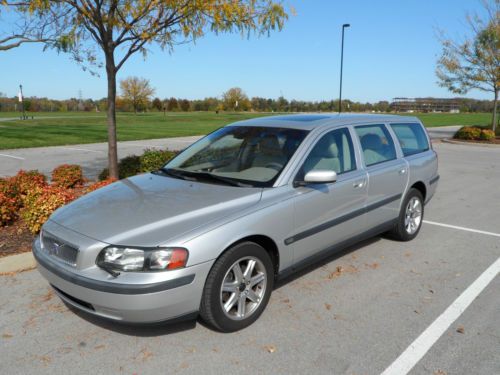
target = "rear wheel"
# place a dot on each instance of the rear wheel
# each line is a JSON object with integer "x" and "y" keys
{"x": 238, "y": 287}
{"x": 410, "y": 217}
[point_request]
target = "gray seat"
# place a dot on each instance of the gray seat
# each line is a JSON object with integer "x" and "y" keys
{"x": 373, "y": 149}
{"x": 324, "y": 156}
{"x": 269, "y": 152}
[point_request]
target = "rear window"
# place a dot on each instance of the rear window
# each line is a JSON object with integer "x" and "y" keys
{"x": 411, "y": 137}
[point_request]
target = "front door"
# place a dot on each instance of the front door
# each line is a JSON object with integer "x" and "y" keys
{"x": 326, "y": 214}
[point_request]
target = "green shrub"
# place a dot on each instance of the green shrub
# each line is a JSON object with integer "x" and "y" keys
{"x": 131, "y": 165}
{"x": 67, "y": 176}
{"x": 103, "y": 175}
{"x": 128, "y": 166}
{"x": 487, "y": 134}
{"x": 152, "y": 160}
{"x": 468, "y": 132}
{"x": 40, "y": 203}
{"x": 8, "y": 210}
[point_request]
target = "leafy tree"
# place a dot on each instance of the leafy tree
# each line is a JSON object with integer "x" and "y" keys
{"x": 172, "y": 105}
{"x": 185, "y": 105}
{"x": 235, "y": 99}
{"x": 474, "y": 63}
{"x": 119, "y": 29}
{"x": 157, "y": 104}
{"x": 136, "y": 91}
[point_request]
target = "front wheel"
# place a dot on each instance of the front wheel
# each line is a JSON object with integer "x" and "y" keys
{"x": 238, "y": 287}
{"x": 410, "y": 217}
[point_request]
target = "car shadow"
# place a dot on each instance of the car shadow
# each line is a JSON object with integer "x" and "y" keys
{"x": 329, "y": 257}
{"x": 138, "y": 329}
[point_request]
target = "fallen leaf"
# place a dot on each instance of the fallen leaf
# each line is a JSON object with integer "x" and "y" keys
{"x": 7, "y": 336}
{"x": 102, "y": 346}
{"x": 328, "y": 306}
{"x": 286, "y": 300}
{"x": 373, "y": 266}
{"x": 270, "y": 348}
{"x": 460, "y": 329}
{"x": 439, "y": 372}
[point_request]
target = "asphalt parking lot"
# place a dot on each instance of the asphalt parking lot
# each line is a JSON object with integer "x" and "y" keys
{"x": 433, "y": 303}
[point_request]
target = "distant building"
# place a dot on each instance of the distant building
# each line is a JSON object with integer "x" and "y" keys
{"x": 425, "y": 105}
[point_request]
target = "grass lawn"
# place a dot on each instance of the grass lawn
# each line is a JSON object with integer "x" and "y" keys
{"x": 51, "y": 129}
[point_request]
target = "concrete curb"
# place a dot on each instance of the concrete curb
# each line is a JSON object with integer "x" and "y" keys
{"x": 455, "y": 142}
{"x": 17, "y": 263}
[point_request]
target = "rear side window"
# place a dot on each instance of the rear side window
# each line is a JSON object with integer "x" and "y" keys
{"x": 376, "y": 143}
{"x": 411, "y": 137}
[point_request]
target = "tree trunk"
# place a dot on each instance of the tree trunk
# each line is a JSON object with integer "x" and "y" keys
{"x": 111, "y": 114}
{"x": 495, "y": 104}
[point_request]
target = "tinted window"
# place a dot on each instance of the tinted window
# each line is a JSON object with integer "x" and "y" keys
{"x": 411, "y": 137}
{"x": 376, "y": 143}
{"x": 334, "y": 151}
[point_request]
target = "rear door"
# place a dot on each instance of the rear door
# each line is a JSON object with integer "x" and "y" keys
{"x": 326, "y": 214}
{"x": 387, "y": 174}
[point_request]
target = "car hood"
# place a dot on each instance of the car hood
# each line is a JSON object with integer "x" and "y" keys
{"x": 148, "y": 210}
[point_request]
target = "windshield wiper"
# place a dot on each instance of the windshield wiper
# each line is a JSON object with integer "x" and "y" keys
{"x": 193, "y": 176}
{"x": 214, "y": 177}
{"x": 176, "y": 173}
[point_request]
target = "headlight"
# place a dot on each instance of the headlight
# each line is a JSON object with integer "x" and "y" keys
{"x": 123, "y": 258}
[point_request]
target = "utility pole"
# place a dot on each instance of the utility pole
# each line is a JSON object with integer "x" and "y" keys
{"x": 344, "y": 26}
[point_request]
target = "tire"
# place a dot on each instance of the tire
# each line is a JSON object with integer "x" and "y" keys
{"x": 246, "y": 296}
{"x": 404, "y": 231}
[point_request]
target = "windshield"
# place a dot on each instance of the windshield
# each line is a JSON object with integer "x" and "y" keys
{"x": 238, "y": 155}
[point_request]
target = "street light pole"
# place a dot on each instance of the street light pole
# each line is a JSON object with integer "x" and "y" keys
{"x": 342, "y": 64}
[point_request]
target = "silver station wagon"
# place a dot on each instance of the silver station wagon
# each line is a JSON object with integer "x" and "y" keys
{"x": 211, "y": 232}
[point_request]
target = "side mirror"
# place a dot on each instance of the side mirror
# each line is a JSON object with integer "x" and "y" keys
{"x": 318, "y": 177}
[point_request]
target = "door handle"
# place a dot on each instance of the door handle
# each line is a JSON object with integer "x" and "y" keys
{"x": 359, "y": 184}
{"x": 402, "y": 171}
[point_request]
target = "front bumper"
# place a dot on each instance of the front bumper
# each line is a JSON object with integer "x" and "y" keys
{"x": 159, "y": 297}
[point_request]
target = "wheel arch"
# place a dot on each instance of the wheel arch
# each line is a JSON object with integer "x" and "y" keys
{"x": 267, "y": 243}
{"x": 420, "y": 186}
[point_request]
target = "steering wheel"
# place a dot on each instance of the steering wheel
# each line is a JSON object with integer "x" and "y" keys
{"x": 274, "y": 165}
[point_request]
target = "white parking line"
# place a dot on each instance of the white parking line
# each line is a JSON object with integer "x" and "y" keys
{"x": 12, "y": 156}
{"x": 81, "y": 149}
{"x": 462, "y": 228}
{"x": 417, "y": 349}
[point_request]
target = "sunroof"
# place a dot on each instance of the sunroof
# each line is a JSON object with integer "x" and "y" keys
{"x": 300, "y": 118}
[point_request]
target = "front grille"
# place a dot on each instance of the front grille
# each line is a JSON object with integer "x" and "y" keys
{"x": 58, "y": 249}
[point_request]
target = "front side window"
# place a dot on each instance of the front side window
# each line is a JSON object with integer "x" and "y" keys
{"x": 376, "y": 143}
{"x": 411, "y": 137}
{"x": 238, "y": 155}
{"x": 333, "y": 152}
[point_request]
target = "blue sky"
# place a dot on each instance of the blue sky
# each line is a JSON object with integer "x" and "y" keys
{"x": 390, "y": 50}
